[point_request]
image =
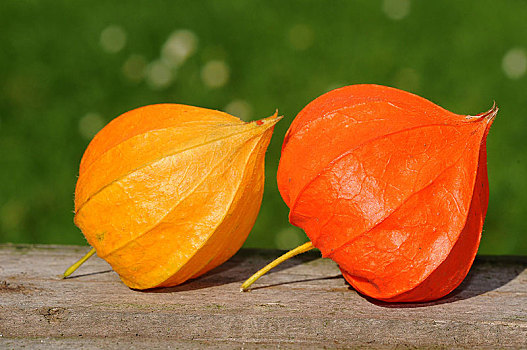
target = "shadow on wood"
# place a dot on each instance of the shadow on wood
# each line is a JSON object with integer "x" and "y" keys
{"x": 481, "y": 279}
{"x": 297, "y": 281}
{"x": 87, "y": 274}
{"x": 237, "y": 269}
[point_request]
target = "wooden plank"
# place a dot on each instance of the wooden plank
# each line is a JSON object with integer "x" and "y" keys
{"x": 303, "y": 303}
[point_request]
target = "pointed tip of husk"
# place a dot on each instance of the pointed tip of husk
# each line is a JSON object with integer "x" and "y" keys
{"x": 487, "y": 116}
{"x": 491, "y": 113}
{"x": 269, "y": 121}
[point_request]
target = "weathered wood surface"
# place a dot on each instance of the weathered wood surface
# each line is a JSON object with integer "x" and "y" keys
{"x": 304, "y": 303}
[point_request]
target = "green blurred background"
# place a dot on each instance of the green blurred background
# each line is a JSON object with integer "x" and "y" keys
{"x": 69, "y": 67}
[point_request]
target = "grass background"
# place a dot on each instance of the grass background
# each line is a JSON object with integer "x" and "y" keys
{"x": 69, "y": 67}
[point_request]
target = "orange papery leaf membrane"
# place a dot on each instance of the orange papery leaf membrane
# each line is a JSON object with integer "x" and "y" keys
{"x": 390, "y": 186}
{"x": 167, "y": 192}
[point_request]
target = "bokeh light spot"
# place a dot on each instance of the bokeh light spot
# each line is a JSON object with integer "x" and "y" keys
{"x": 289, "y": 238}
{"x": 215, "y": 74}
{"x": 90, "y": 124}
{"x": 301, "y": 37}
{"x": 514, "y": 63}
{"x": 134, "y": 68}
{"x": 113, "y": 39}
{"x": 159, "y": 75}
{"x": 240, "y": 108}
{"x": 396, "y": 9}
{"x": 180, "y": 45}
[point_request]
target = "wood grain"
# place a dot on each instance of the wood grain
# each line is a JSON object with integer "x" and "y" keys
{"x": 304, "y": 303}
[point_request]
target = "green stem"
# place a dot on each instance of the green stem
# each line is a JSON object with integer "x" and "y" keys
{"x": 298, "y": 250}
{"x": 81, "y": 261}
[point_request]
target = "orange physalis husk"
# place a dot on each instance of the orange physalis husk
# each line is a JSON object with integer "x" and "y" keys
{"x": 390, "y": 186}
{"x": 167, "y": 192}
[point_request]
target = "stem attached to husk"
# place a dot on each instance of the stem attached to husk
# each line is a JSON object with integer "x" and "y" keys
{"x": 81, "y": 261}
{"x": 298, "y": 250}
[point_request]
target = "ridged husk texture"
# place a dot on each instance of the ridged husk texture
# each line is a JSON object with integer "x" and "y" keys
{"x": 390, "y": 186}
{"x": 167, "y": 192}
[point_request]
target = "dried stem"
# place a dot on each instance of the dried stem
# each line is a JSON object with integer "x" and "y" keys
{"x": 81, "y": 261}
{"x": 298, "y": 250}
